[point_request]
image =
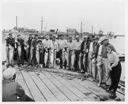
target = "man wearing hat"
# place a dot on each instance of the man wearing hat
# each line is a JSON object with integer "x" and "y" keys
{"x": 10, "y": 44}
{"x": 77, "y": 44}
{"x": 102, "y": 60}
{"x": 90, "y": 55}
{"x": 94, "y": 57}
{"x": 71, "y": 47}
{"x": 83, "y": 50}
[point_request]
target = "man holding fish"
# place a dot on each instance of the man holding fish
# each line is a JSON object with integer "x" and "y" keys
{"x": 10, "y": 43}
{"x": 62, "y": 45}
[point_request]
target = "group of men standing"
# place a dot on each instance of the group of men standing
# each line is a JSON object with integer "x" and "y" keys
{"x": 91, "y": 55}
{"x": 72, "y": 53}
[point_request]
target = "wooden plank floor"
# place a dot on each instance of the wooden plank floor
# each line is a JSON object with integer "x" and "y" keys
{"x": 58, "y": 85}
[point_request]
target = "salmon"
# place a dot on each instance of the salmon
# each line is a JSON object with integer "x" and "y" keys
{"x": 37, "y": 54}
{"x": 51, "y": 57}
{"x": 79, "y": 63}
{"x": 11, "y": 53}
{"x": 46, "y": 56}
{"x": 19, "y": 51}
{"x": 31, "y": 53}
{"x": 63, "y": 58}
{"x": 66, "y": 56}
{"x": 72, "y": 60}
{"x": 84, "y": 58}
{"x": 54, "y": 59}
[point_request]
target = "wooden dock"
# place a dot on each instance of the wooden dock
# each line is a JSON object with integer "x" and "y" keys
{"x": 59, "y": 85}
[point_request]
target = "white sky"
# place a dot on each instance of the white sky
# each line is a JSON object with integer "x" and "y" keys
{"x": 106, "y": 15}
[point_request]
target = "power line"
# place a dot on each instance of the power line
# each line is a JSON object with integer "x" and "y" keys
{"x": 42, "y": 24}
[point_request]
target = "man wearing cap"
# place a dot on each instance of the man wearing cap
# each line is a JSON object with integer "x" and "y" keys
{"x": 77, "y": 44}
{"x": 10, "y": 44}
{"x": 11, "y": 90}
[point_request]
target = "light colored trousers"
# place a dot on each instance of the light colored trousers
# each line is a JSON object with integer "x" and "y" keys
{"x": 103, "y": 72}
{"x": 106, "y": 71}
{"x": 90, "y": 62}
{"x": 10, "y": 54}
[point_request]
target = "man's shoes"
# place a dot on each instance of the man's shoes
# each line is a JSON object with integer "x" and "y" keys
{"x": 99, "y": 85}
{"x": 113, "y": 96}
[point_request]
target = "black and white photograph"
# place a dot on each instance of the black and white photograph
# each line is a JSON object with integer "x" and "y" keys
{"x": 63, "y": 51}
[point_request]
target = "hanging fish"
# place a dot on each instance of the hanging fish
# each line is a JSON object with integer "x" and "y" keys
{"x": 72, "y": 59}
{"x": 11, "y": 50}
{"x": 79, "y": 63}
{"x": 19, "y": 51}
{"x": 66, "y": 57}
{"x": 84, "y": 58}
{"x": 31, "y": 53}
{"x": 63, "y": 56}
{"x": 51, "y": 57}
{"x": 37, "y": 54}
{"x": 46, "y": 56}
{"x": 54, "y": 59}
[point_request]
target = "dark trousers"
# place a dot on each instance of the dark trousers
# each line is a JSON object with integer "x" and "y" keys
{"x": 28, "y": 54}
{"x": 115, "y": 77}
{"x": 21, "y": 58}
{"x": 60, "y": 56}
{"x": 41, "y": 57}
{"x": 84, "y": 63}
{"x": 77, "y": 54}
{"x": 34, "y": 60}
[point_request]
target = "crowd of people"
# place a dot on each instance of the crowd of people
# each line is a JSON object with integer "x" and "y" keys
{"x": 93, "y": 56}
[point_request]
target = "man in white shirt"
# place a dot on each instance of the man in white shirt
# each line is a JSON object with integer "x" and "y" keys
{"x": 54, "y": 49}
{"x": 47, "y": 45}
{"x": 71, "y": 47}
{"x": 61, "y": 45}
{"x": 77, "y": 44}
{"x": 90, "y": 56}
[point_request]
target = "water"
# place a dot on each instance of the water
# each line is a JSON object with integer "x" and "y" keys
{"x": 119, "y": 44}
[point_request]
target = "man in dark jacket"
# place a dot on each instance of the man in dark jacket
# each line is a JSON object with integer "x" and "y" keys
{"x": 34, "y": 45}
{"x": 29, "y": 43}
{"x": 83, "y": 55}
{"x": 94, "y": 57}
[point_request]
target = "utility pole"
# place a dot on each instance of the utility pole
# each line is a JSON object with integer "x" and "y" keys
{"x": 92, "y": 29}
{"x": 16, "y": 22}
{"x": 41, "y": 24}
{"x": 81, "y": 29}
